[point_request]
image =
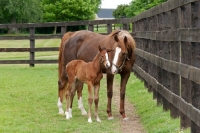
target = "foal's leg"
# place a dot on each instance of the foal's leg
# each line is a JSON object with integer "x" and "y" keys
{"x": 124, "y": 79}
{"x": 96, "y": 100}
{"x": 79, "y": 87}
{"x": 90, "y": 101}
{"x": 110, "y": 78}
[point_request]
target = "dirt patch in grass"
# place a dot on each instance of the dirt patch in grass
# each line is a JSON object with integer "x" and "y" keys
{"x": 133, "y": 124}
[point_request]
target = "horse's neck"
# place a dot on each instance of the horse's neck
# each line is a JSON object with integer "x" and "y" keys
{"x": 96, "y": 63}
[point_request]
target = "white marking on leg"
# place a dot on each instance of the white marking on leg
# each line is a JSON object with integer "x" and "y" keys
{"x": 67, "y": 115}
{"x": 125, "y": 119}
{"x": 70, "y": 112}
{"x": 110, "y": 118}
{"x": 90, "y": 120}
{"x": 81, "y": 107}
{"x": 117, "y": 51}
{"x": 98, "y": 120}
{"x": 61, "y": 111}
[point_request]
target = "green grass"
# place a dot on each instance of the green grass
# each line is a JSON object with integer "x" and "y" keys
{"x": 26, "y": 44}
{"x": 29, "y": 103}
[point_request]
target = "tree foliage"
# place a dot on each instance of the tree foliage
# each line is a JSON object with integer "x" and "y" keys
{"x": 138, "y": 6}
{"x": 135, "y": 7}
{"x": 17, "y": 11}
{"x": 70, "y": 10}
{"x": 120, "y": 11}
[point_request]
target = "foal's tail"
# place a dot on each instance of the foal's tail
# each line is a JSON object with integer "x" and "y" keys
{"x": 65, "y": 37}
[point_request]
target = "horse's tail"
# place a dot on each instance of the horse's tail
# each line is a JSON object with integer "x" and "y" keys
{"x": 65, "y": 37}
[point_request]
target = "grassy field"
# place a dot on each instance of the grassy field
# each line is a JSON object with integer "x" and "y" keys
{"x": 28, "y": 100}
{"x": 26, "y": 44}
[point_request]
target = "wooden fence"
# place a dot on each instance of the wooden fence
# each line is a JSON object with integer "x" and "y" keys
{"x": 167, "y": 54}
{"x": 168, "y": 57}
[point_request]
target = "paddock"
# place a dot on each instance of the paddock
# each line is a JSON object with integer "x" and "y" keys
{"x": 167, "y": 54}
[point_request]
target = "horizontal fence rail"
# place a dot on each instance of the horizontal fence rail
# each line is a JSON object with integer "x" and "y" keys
{"x": 167, "y": 54}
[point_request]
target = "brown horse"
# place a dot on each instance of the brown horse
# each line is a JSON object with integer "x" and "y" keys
{"x": 89, "y": 73}
{"x": 84, "y": 45}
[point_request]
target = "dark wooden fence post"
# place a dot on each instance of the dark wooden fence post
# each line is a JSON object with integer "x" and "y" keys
{"x": 32, "y": 46}
{"x": 195, "y": 87}
{"x": 126, "y": 26}
{"x": 63, "y": 30}
{"x": 109, "y": 28}
{"x": 91, "y": 27}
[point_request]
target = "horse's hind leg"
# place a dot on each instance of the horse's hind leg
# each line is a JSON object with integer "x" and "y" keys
{"x": 68, "y": 94}
{"x": 96, "y": 100}
{"x": 79, "y": 88}
{"x": 61, "y": 91}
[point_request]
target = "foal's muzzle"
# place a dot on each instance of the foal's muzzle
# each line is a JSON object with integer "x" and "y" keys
{"x": 107, "y": 65}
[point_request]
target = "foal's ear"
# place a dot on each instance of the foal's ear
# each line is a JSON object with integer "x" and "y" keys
{"x": 116, "y": 38}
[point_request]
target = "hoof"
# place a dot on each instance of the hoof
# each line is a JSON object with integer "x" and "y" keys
{"x": 61, "y": 113}
{"x": 125, "y": 119}
{"x": 89, "y": 120}
{"x": 98, "y": 120}
{"x": 67, "y": 115}
{"x": 110, "y": 118}
{"x": 84, "y": 113}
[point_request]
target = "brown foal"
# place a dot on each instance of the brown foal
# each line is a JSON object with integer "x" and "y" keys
{"x": 89, "y": 73}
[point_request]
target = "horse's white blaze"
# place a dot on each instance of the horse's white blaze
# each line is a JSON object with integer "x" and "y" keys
{"x": 116, "y": 56}
{"x": 108, "y": 62}
{"x": 61, "y": 111}
{"x": 81, "y": 107}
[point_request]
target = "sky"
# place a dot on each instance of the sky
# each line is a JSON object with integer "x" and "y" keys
{"x": 113, "y": 3}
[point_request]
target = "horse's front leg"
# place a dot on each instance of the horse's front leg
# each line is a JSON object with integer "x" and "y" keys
{"x": 109, "y": 79}
{"x": 79, "y": 88}
{"x": 90, "y": 101}
{"x": 96, "y": 100}
{"x": 124, "y": 79}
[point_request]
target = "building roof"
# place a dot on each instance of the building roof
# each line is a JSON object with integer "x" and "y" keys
{"x": 105, "y": 14}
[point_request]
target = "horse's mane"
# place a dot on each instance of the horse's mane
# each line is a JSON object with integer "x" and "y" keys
{"x": 131, "y": 45}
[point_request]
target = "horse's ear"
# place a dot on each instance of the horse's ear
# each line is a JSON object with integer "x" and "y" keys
{"x": 116, "y": 38}
{"x": 125, "y": 40}
{"x": 99, "y": 48}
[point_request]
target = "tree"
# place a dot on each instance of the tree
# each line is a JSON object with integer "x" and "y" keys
{"x": 20, "y": 11}
{"x": 138, "y": 6}
{"x": 120, "y": 11}
{"x": 70, "y": 10}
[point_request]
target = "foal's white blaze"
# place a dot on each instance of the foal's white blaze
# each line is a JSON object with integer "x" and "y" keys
{"x": 116, "y": 56}
{"x": 61, "y": 111}
{"x": 81, "y": 107}
{"x": 107, "y": 61}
